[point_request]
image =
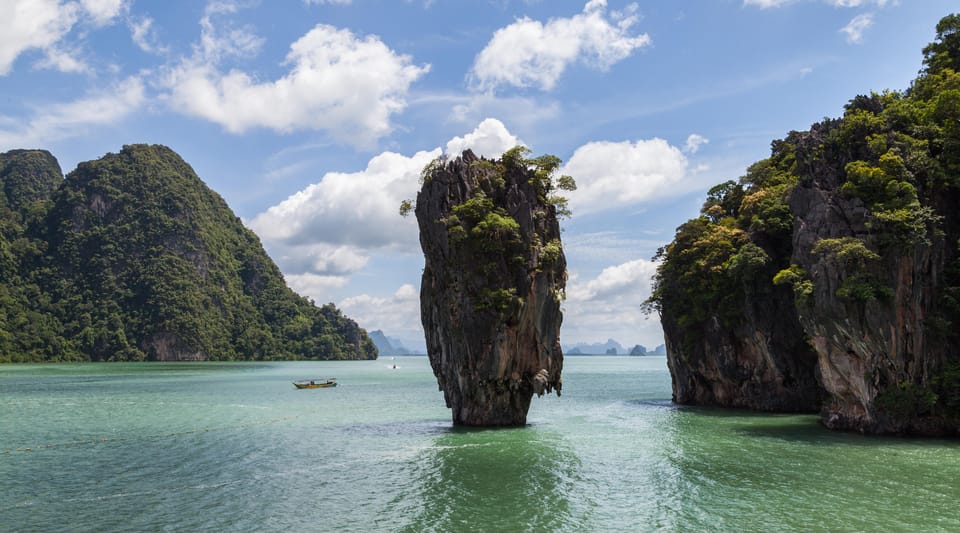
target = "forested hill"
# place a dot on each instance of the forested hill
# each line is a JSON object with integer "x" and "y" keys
{"x": 133, "y": 257}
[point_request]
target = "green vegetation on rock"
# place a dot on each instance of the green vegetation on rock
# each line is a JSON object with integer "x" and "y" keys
{"x": 132, "y": 257}
{"x": 860, "y": 215}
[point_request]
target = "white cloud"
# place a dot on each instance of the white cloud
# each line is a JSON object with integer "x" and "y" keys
{"x": 618, "y": 174}
{"x": 60, "y": 121}
{"x": 490, "y": 139}
{"x": 320, "y": 258}
{"x": 855, "y": 28}
{"x": 315, "y": 286}
{"x": 397, "y": 314}
{"x": 63, "y": 60}
{"x": 529, "y": 53}
{"x": 632, "y": 277}
{"x": 609, "y": 306}
{"x": 104, "y": 11}
{"x": 358, "y": 210}
{"x": 858, "y": 3}
{"x": 337, "y": 82}
{"x": 523, "y": 111}
{"x": 44, "y": 24}
{"x": 764, "y": 4}
{"x": 694, "y": 142}
{"x": 143, "y": 34}
{"x": 26, "y": 24}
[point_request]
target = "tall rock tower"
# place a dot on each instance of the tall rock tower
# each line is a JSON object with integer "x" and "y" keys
{"x": 493, "y": 280}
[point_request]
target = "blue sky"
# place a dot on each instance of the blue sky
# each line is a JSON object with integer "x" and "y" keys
{"x": 312, "y": 118}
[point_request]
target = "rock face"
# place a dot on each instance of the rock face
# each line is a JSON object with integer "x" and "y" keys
{"x": 755, "y": 356}
{"x": 492, "y": 283}
{"x": 882, "y": 358}
{"x": 842, "y": 248}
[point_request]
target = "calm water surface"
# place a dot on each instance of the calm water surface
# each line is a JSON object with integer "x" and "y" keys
{"x": 234, "y": 447}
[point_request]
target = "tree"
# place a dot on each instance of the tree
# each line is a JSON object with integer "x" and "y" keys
{"x": 944, "y": 52}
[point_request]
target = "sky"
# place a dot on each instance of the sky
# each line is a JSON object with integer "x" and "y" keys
{"x": 313, "y": 118}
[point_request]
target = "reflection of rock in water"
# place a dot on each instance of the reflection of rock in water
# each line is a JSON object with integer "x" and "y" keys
{"x": 493, "y": 280}
{"x": 504, "y": 480}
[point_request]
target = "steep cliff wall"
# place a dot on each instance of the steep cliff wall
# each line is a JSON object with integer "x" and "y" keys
{"x": 733, "y": 338}
{"x": 492, "y": 283}
{"x": 880, "y": 268}
{"x": 861, "y": 215}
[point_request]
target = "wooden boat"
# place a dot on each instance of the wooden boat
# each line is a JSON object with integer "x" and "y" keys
{"x": 316, "y": 383}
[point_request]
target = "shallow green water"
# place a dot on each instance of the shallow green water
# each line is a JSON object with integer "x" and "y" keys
{"x": 188, "y": 447}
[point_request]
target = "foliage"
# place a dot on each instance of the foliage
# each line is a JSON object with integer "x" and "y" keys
{"x": 717, "y": 261}
{"x": 857, "y": 263}
{"x": 481, "y": 231}
{"x": 132, "y": 257}
{"x": 907, "y": 400}
{"x": 944, "y": 52}
{"x": 406, "y": 206}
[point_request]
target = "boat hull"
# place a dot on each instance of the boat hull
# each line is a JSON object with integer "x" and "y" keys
{"x": 314, "y": 384}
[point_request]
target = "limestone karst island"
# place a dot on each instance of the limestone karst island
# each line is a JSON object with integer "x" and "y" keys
{"x": 493, "y": 282}
{"x": 625, "y": 265}
{"x": 828, "y": 277}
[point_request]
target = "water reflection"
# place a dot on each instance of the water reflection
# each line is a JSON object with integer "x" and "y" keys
{"x": 495, "y": 480}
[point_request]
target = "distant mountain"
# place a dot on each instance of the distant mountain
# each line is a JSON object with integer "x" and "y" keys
{"x": 133, "y": 257}
{"x": 389, "y": 345}
{"x": 642, "y": 350}
{"x": 583, "y": 348}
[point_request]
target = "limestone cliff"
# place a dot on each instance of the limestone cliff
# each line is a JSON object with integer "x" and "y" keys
{"x": 493, "y": 280}
{"x": 733, "y": 339}
{"x": 861, "y": 215}
{"x": 879, "y": 314}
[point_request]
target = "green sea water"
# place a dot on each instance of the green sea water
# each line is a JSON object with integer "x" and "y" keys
{"x": 234, "y": 447}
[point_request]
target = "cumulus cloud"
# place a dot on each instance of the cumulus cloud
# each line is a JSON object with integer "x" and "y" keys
{"x": 617, "y": 174}
{"x": 60, "y": 121}
{"x": 338, "y": 82}
{"x": 529, "y": 53}
{"x": 102, "y": 12}
{"x": 490, "y": 139}
{"x": 358, "y": 208}
{"x": 609, "y": 306}
{"x": 694, "y": 142}
{"x": 398, "y": 314}
{"x": 314, "y": 286}
{"x": 44, "y": 24}
{"x": 856, "y": 27}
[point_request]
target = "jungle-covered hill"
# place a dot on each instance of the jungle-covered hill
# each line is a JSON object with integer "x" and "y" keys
{"x": 132, "y": 257}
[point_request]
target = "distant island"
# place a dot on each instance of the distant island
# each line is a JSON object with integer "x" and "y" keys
{"x": 611, "y": 347}
{"x": 390, "y": 346}
{"x": 132, "y": 257}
